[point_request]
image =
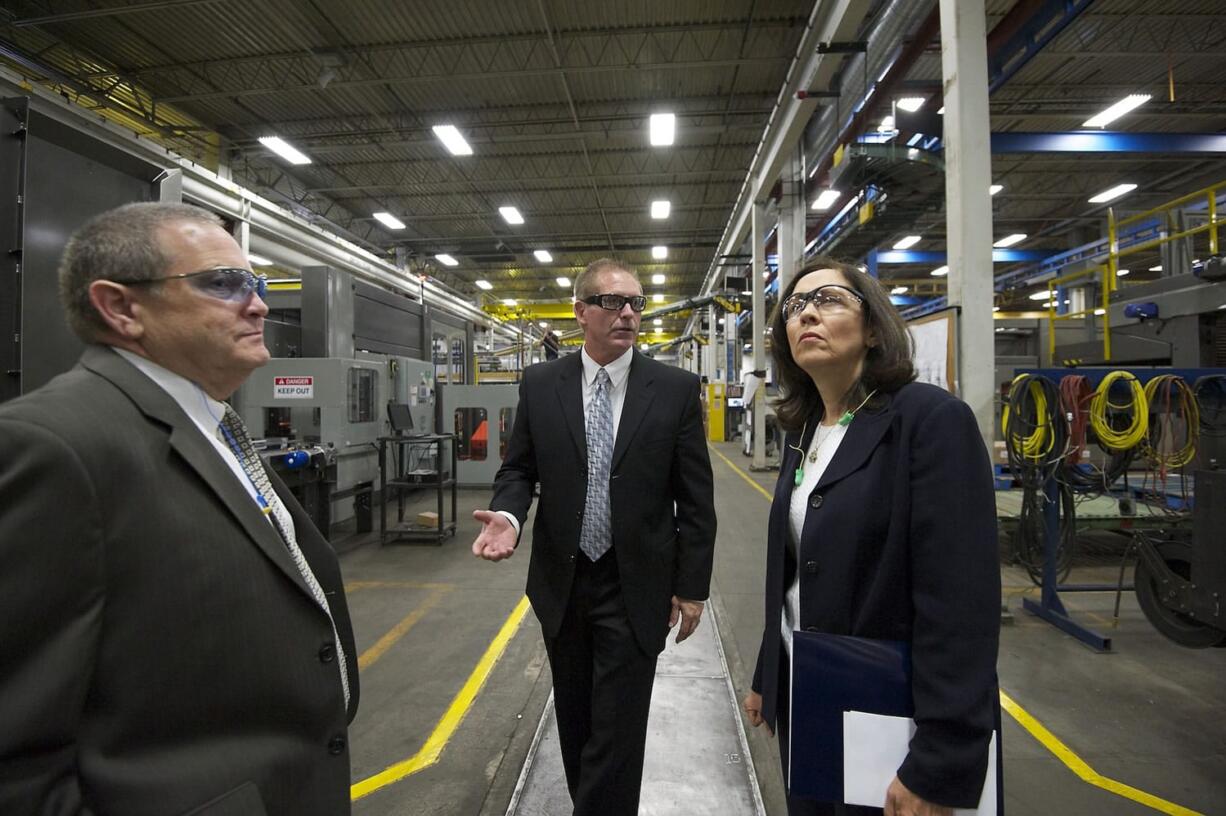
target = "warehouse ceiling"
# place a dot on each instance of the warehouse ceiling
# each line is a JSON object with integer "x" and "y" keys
{"x": 554, "y": 99}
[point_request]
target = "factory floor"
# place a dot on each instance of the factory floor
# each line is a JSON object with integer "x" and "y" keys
{"x": 455, "y": 683}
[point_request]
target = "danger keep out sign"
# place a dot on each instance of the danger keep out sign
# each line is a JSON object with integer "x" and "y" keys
{"x": 293, "y": 387}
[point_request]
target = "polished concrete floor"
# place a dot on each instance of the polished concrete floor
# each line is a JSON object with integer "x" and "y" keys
{"x": 454, "y": 689}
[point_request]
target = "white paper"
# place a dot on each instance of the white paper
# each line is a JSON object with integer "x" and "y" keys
{"x": 875, "y": 745}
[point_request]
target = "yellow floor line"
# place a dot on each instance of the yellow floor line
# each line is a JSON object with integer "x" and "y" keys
{"x": 433, "y": 749}
{"x": 354, "y": 586}
{"x": 1046, "y": 738}
{"x": 398, "y": 631}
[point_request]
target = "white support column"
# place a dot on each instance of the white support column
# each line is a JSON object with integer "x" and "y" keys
{"x": 791, "y": 237}
{"x": 712, "y": 344}
{"x": 757, "y": 239}
{"x": 968, "y": 206}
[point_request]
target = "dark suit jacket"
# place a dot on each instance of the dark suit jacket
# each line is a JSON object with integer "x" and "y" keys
{"x": 160, "y": 649}
{"x": 659, "y": 458}
{"x": 899, "y": 543}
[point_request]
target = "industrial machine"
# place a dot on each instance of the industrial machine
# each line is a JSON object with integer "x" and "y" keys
{"x": 1181, "y": 577}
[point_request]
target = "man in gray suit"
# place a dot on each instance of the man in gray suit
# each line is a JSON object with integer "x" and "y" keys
{"x": 176, "y": 638}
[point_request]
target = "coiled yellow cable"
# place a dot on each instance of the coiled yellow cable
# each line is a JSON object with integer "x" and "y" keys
{"x": 1158, "y": 394}
{"x": 1130, "y": 437}
{"x": 1038, "y": 443}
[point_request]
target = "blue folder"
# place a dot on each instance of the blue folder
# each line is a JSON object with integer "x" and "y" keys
{"x": 832, "y": 674}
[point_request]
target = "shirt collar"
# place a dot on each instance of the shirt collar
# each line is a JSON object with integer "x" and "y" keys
{"x": 202, "y": 409}
{"x": 617, "y": 370}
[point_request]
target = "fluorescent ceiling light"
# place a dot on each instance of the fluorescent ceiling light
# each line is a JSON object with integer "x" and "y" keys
{"x": 543, "y": 255}
{"x": 911, "y": 103}
{"x": 447, "y": 260}
{"x": 1119, "y": 273}
{"x": 388, "y": 220}
{"x": 258, "y": 260}
{"x": 283, "y": 149}
{"x": 1157, "y": 268}
{"x": 996, "y": 308}
{"x": 663, "y": 127}
{"x": 825, "y": 199}
{"x": 543, "y": 324}
{"x": 1117, "y": 110}
{"x": 563, "y": 281}
{"x": 941, "y": 110}
{"x": 661, "y": 208}
{"x": 483, "y": 284}
{"x": 940, "y": 272}
{"x": 993, "y": 189}
{"x": 511, "y": 215}
{"x": 657, "y": 279}
{"x": 1100, "y": 311}
{"x": 659, "y": 252}
{"x": 451, "y": 138}
{"x": 1039, "y": 295}
{"x": 898, "y": 290}
{"x": 509, "y": 302}
{"x": 657, "y": 298}
{"x": 1010, "y": 240}
{"x": 1112, "y": 193}
{"x": 907, "y": 242}
{"x": 658, "y": 322}
{"x": 887, "y": 125}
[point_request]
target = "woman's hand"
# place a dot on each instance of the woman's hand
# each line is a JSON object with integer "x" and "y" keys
{"x": 899, "y": 801}
{"x": 753, "y": 710}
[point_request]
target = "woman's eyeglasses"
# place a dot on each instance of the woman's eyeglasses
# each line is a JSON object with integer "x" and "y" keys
{"x": 224, "y": 283}
{"x": 614, "y": 303}
{"x": 831, "y": 300}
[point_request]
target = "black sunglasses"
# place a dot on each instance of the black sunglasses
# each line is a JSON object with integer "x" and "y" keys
{"x": 223, "y": 283}
{"x": 614, "y": 303}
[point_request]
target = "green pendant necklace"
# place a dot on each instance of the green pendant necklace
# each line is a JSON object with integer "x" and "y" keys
{"x": 844, "y": 421}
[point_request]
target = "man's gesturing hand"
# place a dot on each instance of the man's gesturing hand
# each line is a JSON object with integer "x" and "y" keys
{"x": 497, "y": 538}
{"x": 689, "y": 612}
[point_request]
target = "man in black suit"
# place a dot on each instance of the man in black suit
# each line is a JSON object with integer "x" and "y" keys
{"x": 177, "y": 639}
{"x": 624, "y": 534}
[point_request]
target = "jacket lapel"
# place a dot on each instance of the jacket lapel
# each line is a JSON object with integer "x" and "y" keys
{"x": 639, "y": 394}
{"x": 570, "y": 394}
{"x": 863, "y": 435}
{"x": 198, "y": 452}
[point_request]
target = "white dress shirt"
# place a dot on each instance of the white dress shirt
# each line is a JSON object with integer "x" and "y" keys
{"x": 619, "y": 374}
{"x": 205, "y": 413}
{"x": 825, "y": 442}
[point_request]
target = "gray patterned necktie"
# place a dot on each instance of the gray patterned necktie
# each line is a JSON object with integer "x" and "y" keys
{"x": 596, "y": 536}
{"x": 234, "y": 432}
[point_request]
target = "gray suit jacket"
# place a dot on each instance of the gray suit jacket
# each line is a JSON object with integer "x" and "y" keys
{"x": 161, "y": 654}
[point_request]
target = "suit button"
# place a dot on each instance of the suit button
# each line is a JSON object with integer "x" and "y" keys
{"x": 571, "y": 559}
{"x": 579, "y": 514}
{"x": 327, "y": 653}
{"x": 336, "y": 746}
{"x": 812, "y": 629}
{"x": 815, "y": 501}
{"x": 810, "y": 566}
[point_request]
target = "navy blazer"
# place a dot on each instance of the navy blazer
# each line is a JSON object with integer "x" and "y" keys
{"x": 660, "y": 490}
{"x": 899, "y": 543}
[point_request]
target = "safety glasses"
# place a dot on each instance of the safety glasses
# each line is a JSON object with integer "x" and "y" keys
{"x": 614, "y": 303}
{"x": 224, "y": 283}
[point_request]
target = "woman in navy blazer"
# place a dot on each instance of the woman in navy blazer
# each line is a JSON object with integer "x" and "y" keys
{"x": 883, "y": 526}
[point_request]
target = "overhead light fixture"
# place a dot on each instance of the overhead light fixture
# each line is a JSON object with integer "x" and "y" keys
{"x": 1128, "y": 103}
{"x": 543, "y": 324}
{"x": 1119, "y": 273}
{"x": 907, "y": 242}
{"x": 941, "y": 111}
{"x": 911, "y": 103}
{"x": 1039, "y": 295}
{"x": 898, "y": 290}
{"x": 451, "y": 138}
{"x": 563, "y": 281}
{"x": 1112, "y": 193}
{"x": 825, "y": 199}
{"x": 993, "y": 189}
{"x": 510, "y": 302}
{"x": 447, "y": 260}
{"x": 511, "y": 215}
{"x": 940, "y": 272}
{"x": 657, "y": 279}
{"x": 660, "y": 208}
{"x": 996, "y": 308}
{"x": 657, "y": 298}
{"x": 388, "y": 220}
{"x": 285, "y": 150}
{"x": 663, "y": 127}
{"x": 1100, "y": 312}
{"x": 258, "y": 260}
{"x": 543, "y": 255}
{"x": 658, "y": 322}
{"x": 481, "y": 284}
{"x": 887, "y": 125}
{"x": 1010, "y": 240}
{"x": 659, "y": 252}
{"x": 1157, "y": 268}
